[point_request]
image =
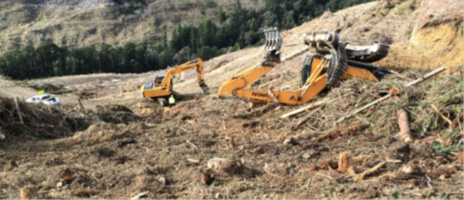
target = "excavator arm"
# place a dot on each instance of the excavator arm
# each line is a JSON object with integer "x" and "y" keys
{"x": 197, "y": 63}
{"x": 323, "y": 68}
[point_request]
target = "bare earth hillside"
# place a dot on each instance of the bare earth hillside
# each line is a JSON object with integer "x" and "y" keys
{"x": 123, "y": 146}
{"x": 86, "y": 22}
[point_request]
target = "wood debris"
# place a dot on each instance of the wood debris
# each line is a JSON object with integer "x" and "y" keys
{"x": 412, "y": 83}
{"x": 456, "y": 121}
{"x": 304, "y": 108}
{"x": 403, "y": 123}
{"x": 363, "y": 175}
{"x": 342, "y": 132}
{"x": 11, "y": 164}
{"x": 20, "y": 115}
{"x": 231, "y": 143}
{"x": 28, "y": 192}
{"x": 442, "y": 115}
{"x": 140, "y": 195}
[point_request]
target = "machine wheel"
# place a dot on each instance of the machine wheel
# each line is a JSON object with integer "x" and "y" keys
{"x": 162, "y": 101}
{"x": 337, "y": 67}
{"x": 307, "y": 68}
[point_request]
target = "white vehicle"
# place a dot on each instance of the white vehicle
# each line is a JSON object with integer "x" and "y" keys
{"x": 45, "y": 99}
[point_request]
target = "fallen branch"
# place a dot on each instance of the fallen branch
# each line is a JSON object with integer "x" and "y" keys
{"x": 140, "y": 195}
{"x": 194, "y": 161}
{"x": 306, "y": 118}
{"x": 363, "y": 175}
{"x": 442, "y": 115}
{"x": 457, "y": 120}
{"x": 412, "y": 83}
{"x": 193, "y": 145}
{"x": 2, "y": 136}
{"x": 403, "y": 123}
{"x": 302, "y": 109}
{"x": 19, "y": 110}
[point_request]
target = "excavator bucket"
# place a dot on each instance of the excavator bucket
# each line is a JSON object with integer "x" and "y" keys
{"x": 204, "y": 87}
{"x": 273, "y": 40}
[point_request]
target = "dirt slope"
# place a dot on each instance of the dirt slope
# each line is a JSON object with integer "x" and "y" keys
{"x": 86, "y": 22}
{"x": 142, "y": 149}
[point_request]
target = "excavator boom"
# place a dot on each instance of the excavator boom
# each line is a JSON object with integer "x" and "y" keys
{"x": 327, "y": 67}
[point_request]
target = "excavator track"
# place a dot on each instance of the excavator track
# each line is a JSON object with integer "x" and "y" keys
{"x": 307, "y": 68}
{"x": 366, "y": 51}
{"x": 338, "y": 66}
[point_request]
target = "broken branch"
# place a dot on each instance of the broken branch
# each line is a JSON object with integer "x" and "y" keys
{"x": 457, "y": 120}
{"x": 193, "y": 145}
{"x": 19, "y": 110}
{"x": 442, "y": 115}
{"x": 306, "y": 118}
{"x": 362, "y": 176}
{"x": 2, "y": 136}
{"x": 302, "y": 109}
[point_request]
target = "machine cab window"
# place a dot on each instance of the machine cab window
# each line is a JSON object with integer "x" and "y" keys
{"x": 159, "y": 79}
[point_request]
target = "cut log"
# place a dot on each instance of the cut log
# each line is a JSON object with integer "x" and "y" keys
{"x": 403, "y": 123}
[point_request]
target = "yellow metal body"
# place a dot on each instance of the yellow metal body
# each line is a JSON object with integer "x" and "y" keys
{"x": 235, "y": 87}
{"x": 164, "y": 88}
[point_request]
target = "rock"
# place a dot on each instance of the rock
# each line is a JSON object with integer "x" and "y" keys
{"x": 290, "y": 140}
{"x": 227, "y": 166}
{"x": 306, "y": 155}
{"x": 11, "y": 164}
{"x": 28, "y": 192}
{"x": 162, "y": 180}
{"x": 207, "y": 177}
{"x": 59, "y": 184}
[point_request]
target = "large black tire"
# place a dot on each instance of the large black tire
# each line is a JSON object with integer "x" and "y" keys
{"x": 307, "y": 68}
{"x": 338, "y": 65}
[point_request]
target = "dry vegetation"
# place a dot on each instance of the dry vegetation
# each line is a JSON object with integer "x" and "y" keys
{"x": 205, "y": 147}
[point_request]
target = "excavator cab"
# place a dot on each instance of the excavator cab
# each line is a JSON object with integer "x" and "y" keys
{"x": 159, "y": 79}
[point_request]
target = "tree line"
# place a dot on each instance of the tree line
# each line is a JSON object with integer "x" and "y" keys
{"x": 229, "y": 31}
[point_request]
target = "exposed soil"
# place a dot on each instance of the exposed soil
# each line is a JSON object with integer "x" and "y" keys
{"x": 123, "y": 146}
{"x": 165, "y": 152}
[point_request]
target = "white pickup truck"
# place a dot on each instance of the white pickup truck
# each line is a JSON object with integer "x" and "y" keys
{"x": 45, "y": 98}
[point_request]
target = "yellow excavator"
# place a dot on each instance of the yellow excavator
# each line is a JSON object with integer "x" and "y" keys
{"x": 161, "y": 87}
{"x": 332, "y": 62}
